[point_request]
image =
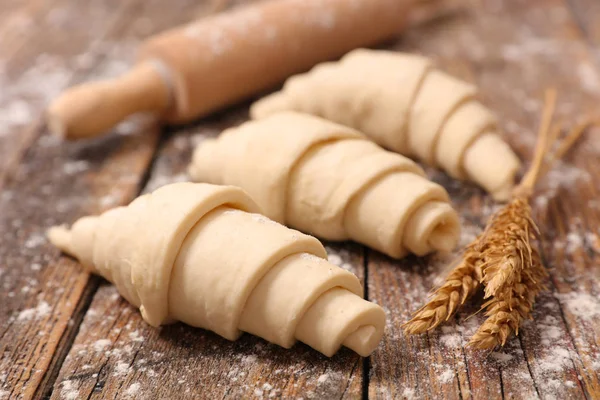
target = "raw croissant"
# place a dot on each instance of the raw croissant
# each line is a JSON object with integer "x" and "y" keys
{"x": 331, "y": 181}
{"x": 196, "y": 253}
{"x": 405, "y": 105}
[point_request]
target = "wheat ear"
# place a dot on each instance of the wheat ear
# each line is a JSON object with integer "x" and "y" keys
{"x": 512, "y": 268}
{"x": 460, "y": 284}
{"x": 504, "y": 258}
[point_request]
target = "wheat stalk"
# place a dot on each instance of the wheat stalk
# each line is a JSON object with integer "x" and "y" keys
{"x": 512, "y": 274}
{"x": 511, "y": 264}
{"x": 506, "y": 250}
{"x": 504, "y": 258}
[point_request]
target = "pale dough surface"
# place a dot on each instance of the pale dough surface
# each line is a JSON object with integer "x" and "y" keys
{"x": 405, "y": 105}
{"x": 331, "y": 181}
{"x": 200, "y": 254}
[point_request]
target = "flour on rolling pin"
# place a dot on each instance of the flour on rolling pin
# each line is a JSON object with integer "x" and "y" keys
{"x": 191, "y": 71}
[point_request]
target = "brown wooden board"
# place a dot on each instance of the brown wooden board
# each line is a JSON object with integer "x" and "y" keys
{"x": 116, "y": 354}
{"x": 42, "y": 292}
{"x": 513, "y": 51}
{"x": 44, "y": 297}
{"x": 587, "y": 13}
{"x": 70, "y": 40}
{"x": 61, "y": 38}
{"x": 66, "y": 335}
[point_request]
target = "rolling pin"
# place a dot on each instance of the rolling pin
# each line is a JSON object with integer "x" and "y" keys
{"x": 191, "y": 71}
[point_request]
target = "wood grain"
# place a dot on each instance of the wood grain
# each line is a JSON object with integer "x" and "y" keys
{"x": 513, "y": 51}
{"x": 66, "y": 335}
{"x": 37, "y": 66}
{"x": 56, "y": 183}
{"x": 42, "y": 291}
{"x": 196, "y": 362}
{"x": 101, "y": 42}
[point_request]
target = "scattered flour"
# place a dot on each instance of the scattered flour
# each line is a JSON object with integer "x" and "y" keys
{"x": 75, "y": 167}
{"x": 562, "y": 175}
{"x": 550, "y": 333}
{"x": 593, "y": 240}
{"x": 408, "y": 394}
{"x": 530, "y": 47}
{"x": 450, "y": 338}
{"x": 135, "y": 336}
{"x": 100, "y": 345}
{"x": 502, "y": 357}
{"x": 133, "y": 390}
{"x": 582, "y": 305}
{"x": 122, "y": 368}
{"x": 554, "y": 384}
{"x": 35, "y": 240}
{"x": 68, "y": 391}
{"x": 588, "y": 77}
{"x": 4, "y": 394}
{"x": 40, "y": 311}
{"x": 556, "y": 360}
{"x": 574, "y": 242}
{"x": 267, "y": 387}
{"x": 23, "y": 97}
{"x": 447, "y": 376}
{"x": 251, "y": 359}
{"x": 323, "y": 378}
{"x": 108, "y": 201}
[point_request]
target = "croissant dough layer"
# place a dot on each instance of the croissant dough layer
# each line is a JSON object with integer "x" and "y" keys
{"x": 405, "y": 105}
{"x": 198, "y": 253}
{"x": 329, "y": 180}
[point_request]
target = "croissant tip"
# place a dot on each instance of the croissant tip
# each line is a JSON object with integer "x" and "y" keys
{"x": 60, "y": 236}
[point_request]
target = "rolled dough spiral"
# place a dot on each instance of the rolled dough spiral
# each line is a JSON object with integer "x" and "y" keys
{"x": 405, "y": 105}
{"x": 198, "y": 253}
{"x": 329, "y": 180}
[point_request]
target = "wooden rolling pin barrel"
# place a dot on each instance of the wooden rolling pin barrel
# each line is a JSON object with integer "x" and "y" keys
{"x": 191, "y": 71}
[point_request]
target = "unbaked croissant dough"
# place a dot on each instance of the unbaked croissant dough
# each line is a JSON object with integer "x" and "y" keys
{"x": 405, "y": 105}
{"x": 198, "y": 253}
{"x": 331, "y": 181}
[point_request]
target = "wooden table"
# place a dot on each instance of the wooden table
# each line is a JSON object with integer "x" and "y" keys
{"x": 65, "y": 334}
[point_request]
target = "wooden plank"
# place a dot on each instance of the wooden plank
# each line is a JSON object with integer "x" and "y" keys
{"x": 116, "y": 354}
{"x": 512, "y": 50}
{"x": 57, "y": 183}
{"x": 39, "y": 65}
{"x": 17, "y": 18}
{"x": 41, "y": 291}
{"x": 37, "y": 70}
{"x": 587, "y": 13}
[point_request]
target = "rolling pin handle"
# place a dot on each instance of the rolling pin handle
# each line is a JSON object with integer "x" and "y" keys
{"x": 94, "y": 108}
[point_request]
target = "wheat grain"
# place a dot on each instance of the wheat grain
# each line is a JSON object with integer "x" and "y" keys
{"x": 505, "y": 248}
{"x": 510, "y": 306}
{"x": 460, "y": 284}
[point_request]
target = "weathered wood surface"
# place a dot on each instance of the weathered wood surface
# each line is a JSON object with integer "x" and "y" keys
{"x": 68, "y": 336}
